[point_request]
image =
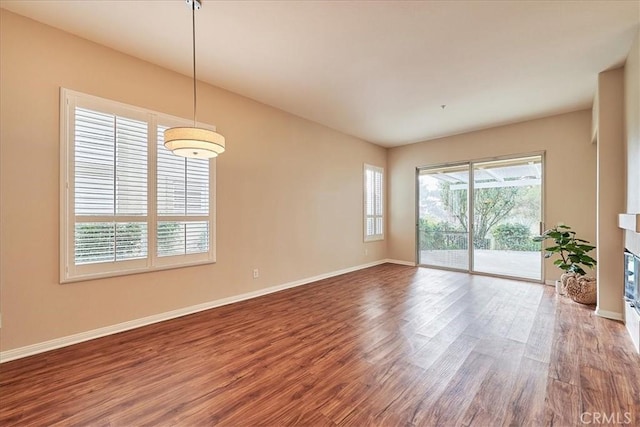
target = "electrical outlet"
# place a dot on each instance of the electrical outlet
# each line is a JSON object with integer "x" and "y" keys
{"x": 256, "y": 273}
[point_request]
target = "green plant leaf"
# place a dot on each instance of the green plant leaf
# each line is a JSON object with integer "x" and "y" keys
{"x": 571, "y": 249}
{"x": 579, "y": 270}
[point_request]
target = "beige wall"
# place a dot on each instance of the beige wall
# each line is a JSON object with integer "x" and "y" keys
{"x": 632, "y": 138}
{"x": 610, "y": 192}
{"x": 289, "y": 191}
{"x": 566, "y": 140}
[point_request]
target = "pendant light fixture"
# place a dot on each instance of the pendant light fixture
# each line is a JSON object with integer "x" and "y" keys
{"x": 194, "y": 141}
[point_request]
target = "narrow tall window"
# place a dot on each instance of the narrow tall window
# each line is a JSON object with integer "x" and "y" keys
{"x": 128, "y": 204}
{"x": 373, "y": 203}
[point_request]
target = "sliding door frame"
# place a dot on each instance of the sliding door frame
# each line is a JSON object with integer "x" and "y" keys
{"x": 417, "y": 214}
{"x": 470, "y": 209}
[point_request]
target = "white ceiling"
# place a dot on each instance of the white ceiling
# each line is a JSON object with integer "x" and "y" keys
{"x": 378, "y": 70}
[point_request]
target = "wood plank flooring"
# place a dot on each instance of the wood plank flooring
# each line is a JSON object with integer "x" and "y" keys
{"x": 390, "y": 345}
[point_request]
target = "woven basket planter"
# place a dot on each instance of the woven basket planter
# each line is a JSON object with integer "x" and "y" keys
{"x": 581, "y": 289}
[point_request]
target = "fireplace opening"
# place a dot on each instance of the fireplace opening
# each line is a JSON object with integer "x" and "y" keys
{"x": 632, "y": 279}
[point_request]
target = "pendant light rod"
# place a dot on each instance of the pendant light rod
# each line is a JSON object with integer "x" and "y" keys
{"x": 193, "y": 38}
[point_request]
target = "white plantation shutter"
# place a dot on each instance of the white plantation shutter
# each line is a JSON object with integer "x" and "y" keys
{"x": 183, "y": 203}
{"x": 94, "y": 162}
{"x": 373, "y": 203}
{"x": 128, "y": 204}
{"x": 110, "y": 183}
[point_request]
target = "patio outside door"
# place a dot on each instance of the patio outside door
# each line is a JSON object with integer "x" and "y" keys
{"x": 443, "y": 236}
{"x": 490, "y": 232}
{"x": 507, "y": 207}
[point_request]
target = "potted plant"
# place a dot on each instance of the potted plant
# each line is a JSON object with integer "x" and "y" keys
{"x": 573, "y": 261}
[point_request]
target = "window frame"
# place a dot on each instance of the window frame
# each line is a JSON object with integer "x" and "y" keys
{"x": 69, "y": 271}
{"x": 376, "y": 236}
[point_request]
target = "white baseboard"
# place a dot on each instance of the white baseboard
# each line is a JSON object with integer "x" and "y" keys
{"x": 613, "y": 315}
{"x": 400, "y": 262}
{"x": 32, "y": 349}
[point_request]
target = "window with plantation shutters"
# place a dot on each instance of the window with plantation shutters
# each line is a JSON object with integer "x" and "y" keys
{"x": 183, "y": 203}
{"x": 128, "y": 205}
{"x": 110, "y": 187}
{"x": 373, "y": 203}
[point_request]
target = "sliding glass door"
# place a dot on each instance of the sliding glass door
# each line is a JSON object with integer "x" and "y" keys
{"x": 490, "y": 232}
{"x": 507, "y": 208}
{"x": 443, "y": 237}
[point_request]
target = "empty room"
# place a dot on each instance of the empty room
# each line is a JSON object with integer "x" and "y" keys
{"x": 319, "y": 213}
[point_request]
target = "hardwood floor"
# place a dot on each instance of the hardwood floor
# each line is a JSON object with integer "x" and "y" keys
{"x": 390, "y": 345}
